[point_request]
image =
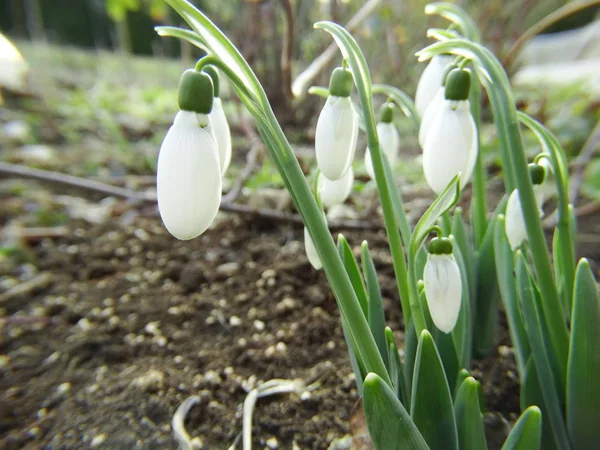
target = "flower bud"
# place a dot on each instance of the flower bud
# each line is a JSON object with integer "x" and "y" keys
{"x": 335, "y": 192}
{"x": 389, "y": 141}
{"x": 219, "y": 121}
{"x": 188, "y": 178}
{"x": 443, "y": 284}
{"x": 337, "y": 128}
{"x": 195, "y": 92}
{"x": 431, "y": 80}
{"x": 311, "y": 251}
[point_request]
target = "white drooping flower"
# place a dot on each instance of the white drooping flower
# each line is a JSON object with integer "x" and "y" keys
{"x": 430, "y": 81}
{"x": 389, "y": 142}
{"x": 335, "y": 137}
{"x": 335, "y": 192}
{"x": 514, "y": 223}
{"x": 222, "y": 134}
{"x": 430, "y": 114}
{"x": 188, "y": 178}
{"x": 450, "y": 141}
{"x": 311, "y": 251}
{"x": 443, "y": 285}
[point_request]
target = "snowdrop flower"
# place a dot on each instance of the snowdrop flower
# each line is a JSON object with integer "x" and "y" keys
{"x": 335, "y": 192}
{"x": 443, "y": 285}
{"x": 188, "y": 178}
{"x": 389, "y": 139}
{"x": 311, "y": 251}
{"x": 430, "y": 81}
{"x": 337, "y": 128}
{"x": 514, "y": 223}
{"x": 219, "y": 122}
{"x": 451, "y": 141}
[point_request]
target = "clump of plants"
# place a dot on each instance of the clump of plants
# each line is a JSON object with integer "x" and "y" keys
{"x": 450, "y": 285}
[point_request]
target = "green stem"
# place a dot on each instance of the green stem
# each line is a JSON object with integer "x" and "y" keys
{"x": 514, "y": 162}
{"x": 479, "y": 201}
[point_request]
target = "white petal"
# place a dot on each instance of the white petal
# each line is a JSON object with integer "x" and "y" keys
{"x": 514, "y": 223}
{"x": 443, "y": 290}
{"x": 335, "y": 137}
{"x": 430, "y": 81}
{"x": 336, "y": 192}
{"x": 311, "y": 251}
{"x": 389, "y": 142}
{"x": 222, "y": 133}
{"x": 188, "y": 178}
{"x": 449, "y": 146}
{"x": 435, "y": 106}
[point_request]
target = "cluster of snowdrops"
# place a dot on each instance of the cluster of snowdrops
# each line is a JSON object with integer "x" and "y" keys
{"x": 451, "y": 289}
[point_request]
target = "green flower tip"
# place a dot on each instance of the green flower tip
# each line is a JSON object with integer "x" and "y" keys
{"x": 440, "y": 246}
{"x": 196, "y": 92}
{"x": 449, "y": 68}
{"x": 386, "y": 113}
{"x": 458, "y": 84}
{"x": 340, "y": 83}
{"x": 537, "y": 173}
{"x": 371, "y": 379}
{"x": 214, "y": 75}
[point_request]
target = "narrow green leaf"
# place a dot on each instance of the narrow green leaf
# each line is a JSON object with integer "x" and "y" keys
{"x": 469, "y": 421}
{"x": 533, "y": 326}
{"x": 583, "y": 372}
{"x": 389, "y": 424}
{"x": 526, "y": 434}
{"x": 358, "y": 366}
{"x": 411, "y": 343}
{"x": 396, "y": 368}
{"x": 376, "y": 316}
{"x": 508, "y": 292}
{"x": 431, "y": 406}
{"x": 462, "y": 334}
{"x": 353, "y": 273}
{"x": 463, "y": 374}
{"x": 182, "y": 33}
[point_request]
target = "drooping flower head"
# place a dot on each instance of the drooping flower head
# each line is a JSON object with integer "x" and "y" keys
{"x": 451, "y": 141}
{"x": 337, "y": 127}
{"x": 430, "y": 82}
{"x": 188, "y": 178}
{"x": 335, "y": 192}
{"x": 389, "y": 139}
{"x": 219, "y": 122}
{"x": 514, "y": 223}
{"x": 443, "y": 285}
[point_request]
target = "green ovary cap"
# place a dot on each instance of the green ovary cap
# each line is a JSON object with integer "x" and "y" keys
{"x": 196, "y": 92}
{"x": 449, "y": 68}
{"x": 386, "y": 113}
{"x": 215, "y": 78}
{"x": 458, "y": 84}
{"x": 440, "y": 246}
{"x": 340, "y": 83}
{"x": 537, "y": 173}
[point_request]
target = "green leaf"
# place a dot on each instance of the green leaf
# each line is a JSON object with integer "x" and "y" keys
{"x": 505, "y": 270}
{"x": 539, "y": 351}
{"x": 353, "y": 273}
{"x": 526, "y": 434}
{"x": 411, "y": 343}
{"x": 181, "y": 33}
{"x": 462, "y": 334}
{"x": 469, "y": 421}
{"x": 390, "y": 426}
{"x": 376, "y": 316}
{"x": 583, "y": 371}
{"x": 400, "y": 98}
{"x": 431, "y": 406}
{"x": 396, "y": 368}
{"x": 358, "y": 366}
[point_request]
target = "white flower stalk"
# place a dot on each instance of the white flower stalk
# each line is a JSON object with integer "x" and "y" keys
{"x": 389, "y": 140}
{"x": 451, "y": 142}
{"x": 311, "y": 251}
{"x": 222, "y": 134}
{"x": 514, "y": 222}
{"x": 335, "y": 192}
{"x": 443, "y": 285}
{"x": 188, "y": 177}
{"x": 430, "y": 81}
{"x": 219, "y": 122}
{"x": 337, "y": 128}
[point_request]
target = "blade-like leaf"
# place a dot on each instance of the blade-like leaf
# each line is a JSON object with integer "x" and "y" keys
{"x": 526, "y": 434}
{"x": 353, "y": 273}
{"x": 469, "y": 421}
{"x": 411, "y": 343}
{"x": 431, "y": 406}
{"x": 390, "y": 426}
{"x": 396, "y": 368}
{"x": 376, "y": 316}
{"x": 462, "y": 334}
{"x": 508, "y": 292}
{"x": 583, "y": 372}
